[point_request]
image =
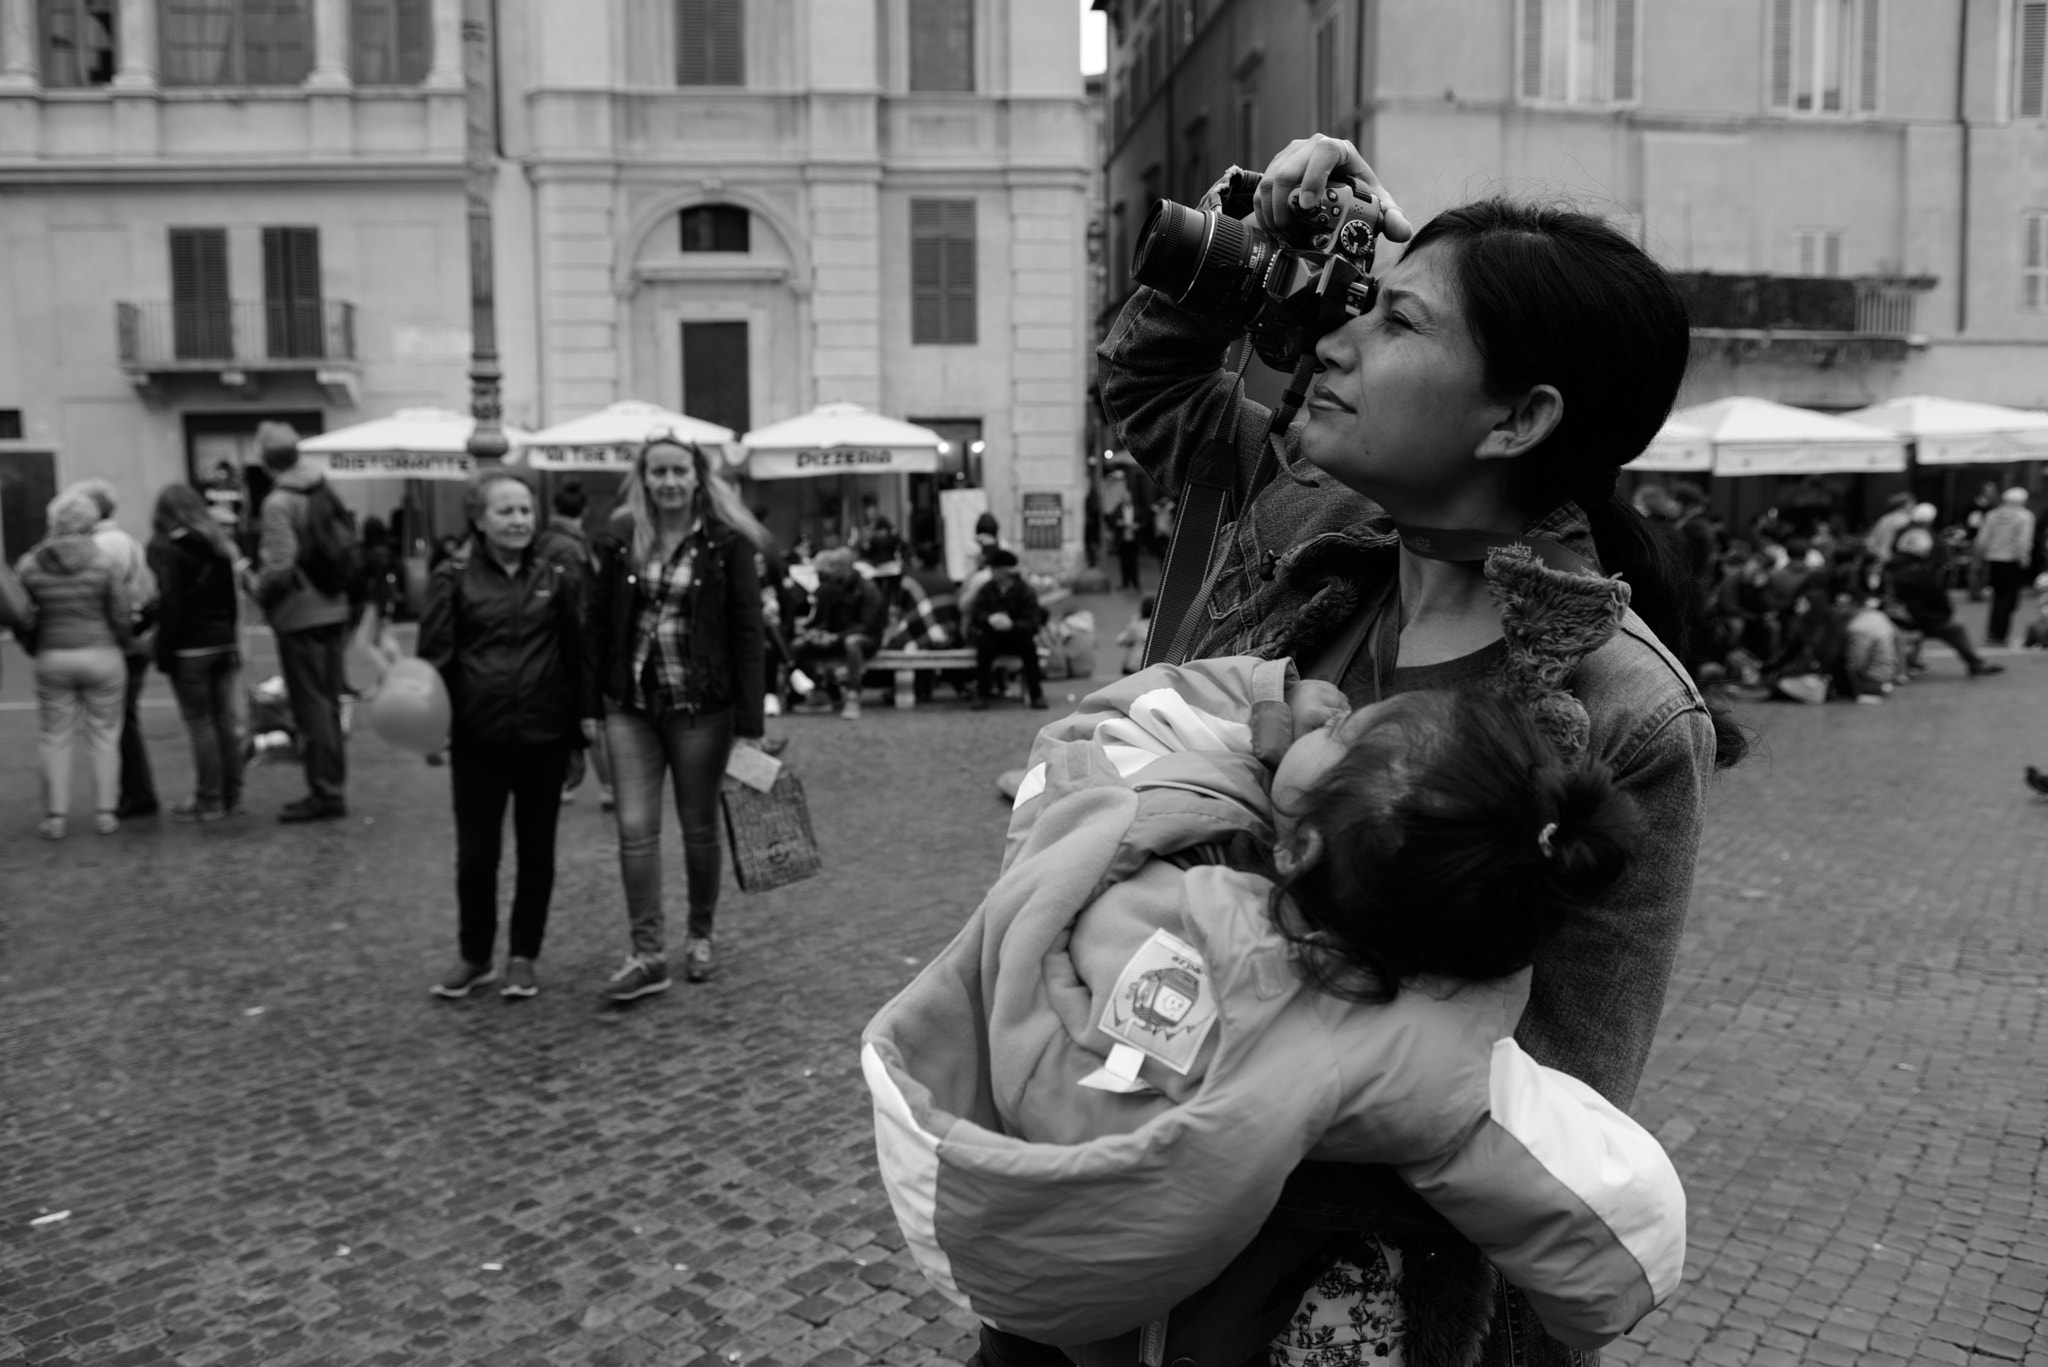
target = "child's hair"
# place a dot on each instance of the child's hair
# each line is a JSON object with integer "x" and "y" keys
{"x": 1455, "y": 843}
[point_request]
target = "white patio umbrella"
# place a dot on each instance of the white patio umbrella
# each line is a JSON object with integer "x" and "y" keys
{"x": 1678, "y": 447}
{"x": 413, "y": 443}
{"x": 1758, "y": 437}
{"x": 609, "y": 438}
{"x": 840, "y": 439}
{"x": 1957, "y": 432}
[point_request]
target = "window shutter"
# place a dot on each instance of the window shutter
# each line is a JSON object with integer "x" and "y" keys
{"x": 415, "y": 41}
{"x": 2033, "y": 57}
{"x": 710, "y": 43}
{"x": 2036, "y": 223}
{"x": 942, "y": 44}
{"x": 927, "y": 307}
{"x": 1532, "y": 49}
{"x": 291, "y": 291}
{"x": 199, "y": 265}
{"x": 1870, "y": 30}
{"x": 1806, "y": 253}
{"x": 1624, "y": 90}
{"x": 1831, "y": 255}
{"x": 1781, "y": 54}
{"x": 942, "y": 271}
{"x": 277, "y": 41}
{"x": 960, "y": 272}
{"x": 369, "y": 33}
{"x": 199, "y": 293}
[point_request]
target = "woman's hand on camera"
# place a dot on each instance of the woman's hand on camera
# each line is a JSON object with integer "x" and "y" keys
{"x": 1303, "y": 169}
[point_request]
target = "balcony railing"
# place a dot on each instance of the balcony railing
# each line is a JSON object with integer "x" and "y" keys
{"x": 1823, "y": 320}
{"x": 263, "y": 334}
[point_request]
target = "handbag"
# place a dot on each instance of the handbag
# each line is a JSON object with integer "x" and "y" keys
{"x": 17, "y": 609}
{"x": 770, "y": 833}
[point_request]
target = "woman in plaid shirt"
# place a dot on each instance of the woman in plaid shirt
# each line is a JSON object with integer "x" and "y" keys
{"x": 675, "y": 663}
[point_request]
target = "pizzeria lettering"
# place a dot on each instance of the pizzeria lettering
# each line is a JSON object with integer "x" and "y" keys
{"x": 855, "y": 456}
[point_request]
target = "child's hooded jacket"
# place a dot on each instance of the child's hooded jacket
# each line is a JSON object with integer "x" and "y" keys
{"x": 1069, "y": 1213}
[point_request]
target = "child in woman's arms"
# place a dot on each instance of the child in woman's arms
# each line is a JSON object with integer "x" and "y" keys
{"x": 1193, "y": 975}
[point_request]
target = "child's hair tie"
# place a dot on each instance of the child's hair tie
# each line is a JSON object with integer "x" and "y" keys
{"x": 1543, "y": 840}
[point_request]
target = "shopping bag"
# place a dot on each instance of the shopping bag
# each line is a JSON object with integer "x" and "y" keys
{"x": 770, "y": 833}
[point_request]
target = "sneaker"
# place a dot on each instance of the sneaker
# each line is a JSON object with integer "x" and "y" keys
{"x": 851, "y": 711}
{"x": 464, "y": 979}
{"x": 1978, "y": 671}
{"x": 106, "y": 823}
{"x": 135, "y": 810}
{"x": 51, "y": 828}
{"x": 195, "y": 810}
{"x": 519, "y": 979}
{"x": 605, "y": 801}
{"x": 640, "y": 975}
{"x": 699, "y": 965}
{"x": 312, "y": 809}
{"x": 1038, "y": 704}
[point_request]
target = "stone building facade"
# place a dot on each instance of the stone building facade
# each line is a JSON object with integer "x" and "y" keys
{"x": 1856, "y": 191}
{"x": 746, "y": 206}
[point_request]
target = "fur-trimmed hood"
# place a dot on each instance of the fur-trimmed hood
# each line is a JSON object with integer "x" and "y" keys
{"x": 1551, "y": 618}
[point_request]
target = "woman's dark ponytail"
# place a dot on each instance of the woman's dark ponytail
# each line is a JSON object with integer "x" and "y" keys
{"x": 1586, "y": 844}
{"x": 1557, "y": 296}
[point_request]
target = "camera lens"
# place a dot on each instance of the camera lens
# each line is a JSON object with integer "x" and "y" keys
{"x": 1208, "y": 263}
{"x": 1170, "y": 248}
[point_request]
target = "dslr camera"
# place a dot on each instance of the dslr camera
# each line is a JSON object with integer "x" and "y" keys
{"x": 1217, "y": 263}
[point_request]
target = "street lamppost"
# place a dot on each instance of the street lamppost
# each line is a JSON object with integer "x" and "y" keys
{"x": 480, "y": 92}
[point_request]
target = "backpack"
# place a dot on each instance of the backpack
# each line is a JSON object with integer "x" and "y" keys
{"x": 330, "y": 553}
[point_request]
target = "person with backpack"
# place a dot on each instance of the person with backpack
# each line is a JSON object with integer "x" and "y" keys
{"x": 302, "y": 583}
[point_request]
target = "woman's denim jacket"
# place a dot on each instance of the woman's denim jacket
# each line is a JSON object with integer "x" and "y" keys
{"x": 1299, "y": 563}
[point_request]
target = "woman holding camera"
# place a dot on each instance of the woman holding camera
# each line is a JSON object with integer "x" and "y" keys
{"x": 676, "y": 675}
{"x": 1514, "y": 359}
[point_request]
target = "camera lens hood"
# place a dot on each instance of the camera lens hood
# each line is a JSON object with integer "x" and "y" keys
{"x": 1171, "y": 246}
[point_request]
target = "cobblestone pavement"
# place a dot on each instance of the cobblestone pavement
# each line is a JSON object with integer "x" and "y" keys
{"x": 217, "y": 1054}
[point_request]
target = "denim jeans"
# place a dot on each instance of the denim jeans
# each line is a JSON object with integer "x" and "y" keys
{"x": 692, "y": 748}
{"x": 311, "y": 661}
{"x": 484, "y": 778}
{"x": 205, "y": 686}
{"x": 86, "y": 686}
{"x": 138, "y": 784}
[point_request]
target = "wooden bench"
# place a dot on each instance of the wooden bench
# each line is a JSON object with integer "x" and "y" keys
{"x": 906, "y": 665}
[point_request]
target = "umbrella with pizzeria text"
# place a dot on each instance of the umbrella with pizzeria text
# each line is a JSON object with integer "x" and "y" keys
{"x": 841, "y": 439}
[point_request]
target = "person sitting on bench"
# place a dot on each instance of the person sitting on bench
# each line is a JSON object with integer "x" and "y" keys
{"x": 1004, "y": 620}
{"x": 846, "y": 621}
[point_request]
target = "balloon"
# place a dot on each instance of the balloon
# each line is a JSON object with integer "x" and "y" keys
{"x": 411, "y": 707}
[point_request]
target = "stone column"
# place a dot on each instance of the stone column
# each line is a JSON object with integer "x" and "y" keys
{"x": 330, "y": 46}
{"x": 17, "y": 45}
{"x": 135, "y": 45}
{"x": 445, "y": 70}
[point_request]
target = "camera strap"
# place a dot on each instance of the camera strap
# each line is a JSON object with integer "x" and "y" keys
{"x": 1205, "y": 512}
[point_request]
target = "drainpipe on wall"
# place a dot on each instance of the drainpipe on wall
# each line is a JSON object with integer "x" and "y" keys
{"x": 1358, "y": 83}
{"x": 1963, "y": 210}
